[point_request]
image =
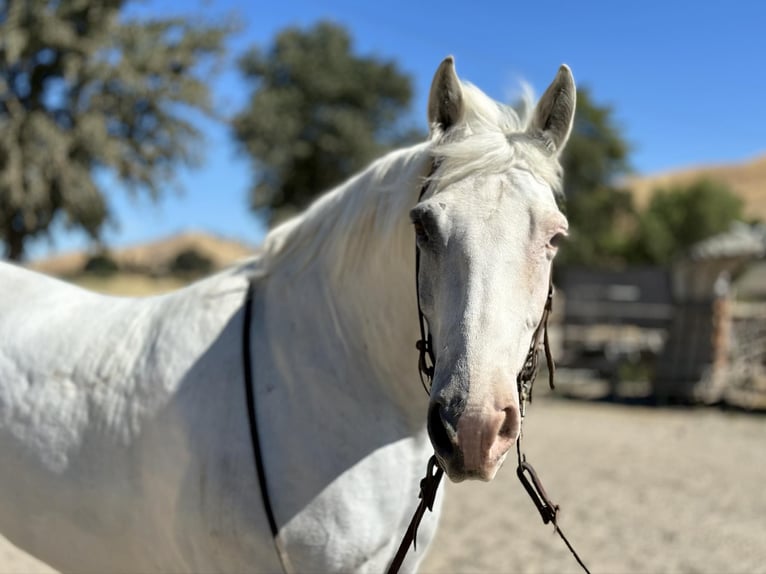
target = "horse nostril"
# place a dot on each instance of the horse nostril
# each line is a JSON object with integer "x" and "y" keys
{"x": 437, "y": 429}
{"x": 511, "y": 426}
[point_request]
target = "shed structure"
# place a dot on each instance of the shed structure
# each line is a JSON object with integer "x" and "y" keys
{"x": 695, "y": 361}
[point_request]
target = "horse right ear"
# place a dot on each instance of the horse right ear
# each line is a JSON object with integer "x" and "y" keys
{"x": 554, "y": 114}
{"x": 445, "y": 102}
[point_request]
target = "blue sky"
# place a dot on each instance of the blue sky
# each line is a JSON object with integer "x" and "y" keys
{"x": 686, "y": 81}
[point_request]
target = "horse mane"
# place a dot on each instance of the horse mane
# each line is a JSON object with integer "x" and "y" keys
{"x": 372, "y": 201}
{"x": 491, "y": 139}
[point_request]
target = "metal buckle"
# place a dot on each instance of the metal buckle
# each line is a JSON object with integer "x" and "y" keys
{"x": 547, "y": 509}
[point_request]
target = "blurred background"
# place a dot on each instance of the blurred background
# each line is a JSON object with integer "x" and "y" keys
{"x": 146, "y": 144}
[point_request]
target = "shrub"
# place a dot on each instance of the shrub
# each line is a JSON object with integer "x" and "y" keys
{"x": 191, "y": 263}
{"x": 101, "y": 264}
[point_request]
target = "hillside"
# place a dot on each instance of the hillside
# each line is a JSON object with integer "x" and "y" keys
{"x": 747, "y": 179}
{"x": 153, "y": 257}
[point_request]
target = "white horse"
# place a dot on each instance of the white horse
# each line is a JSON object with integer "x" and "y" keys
{"x": 124, "y": 441}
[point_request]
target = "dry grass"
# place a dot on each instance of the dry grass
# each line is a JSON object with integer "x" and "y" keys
{"x": 746, "y": 179}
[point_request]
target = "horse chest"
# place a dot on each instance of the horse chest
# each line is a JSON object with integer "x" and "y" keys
{"x": 354, "y": 522}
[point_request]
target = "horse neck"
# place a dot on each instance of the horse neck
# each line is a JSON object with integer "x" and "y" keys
{"x": 355, "y": 289}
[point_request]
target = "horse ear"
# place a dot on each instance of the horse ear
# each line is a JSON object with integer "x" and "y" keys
{"x": 554, "y": 114}
{"x": 445, "y": 102}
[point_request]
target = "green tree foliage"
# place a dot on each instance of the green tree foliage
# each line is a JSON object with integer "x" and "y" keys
{"x": 81, "y": 91}
{"x": 597, "y": 154}
{"x": 606, "y": 229}
{"x": 318, "y": 114}
{"x": 595, "y": 161}
{"x": 679, "y": 216}
{"x": 600, "y": 222}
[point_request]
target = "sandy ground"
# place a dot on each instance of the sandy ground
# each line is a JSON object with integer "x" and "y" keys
{"x": 642, "y": 490}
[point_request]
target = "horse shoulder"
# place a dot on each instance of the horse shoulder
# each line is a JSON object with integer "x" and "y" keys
{"x": 84, "y": 362}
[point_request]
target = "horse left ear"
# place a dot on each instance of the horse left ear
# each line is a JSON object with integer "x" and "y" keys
{"x": 445, "y": 102}
{"x": 554, "y": 114}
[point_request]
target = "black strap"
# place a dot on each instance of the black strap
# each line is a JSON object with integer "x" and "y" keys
{"x": 524, "y": 470}
{"x": 545, "y": 506}
{"x": 428, "y": 487}
{"x": 253, "y": 422}
{"x": 425, "y": 345}
{"x": 254, "y": 438}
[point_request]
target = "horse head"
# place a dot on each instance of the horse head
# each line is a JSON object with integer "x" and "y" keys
{"x": 487, "y": 228}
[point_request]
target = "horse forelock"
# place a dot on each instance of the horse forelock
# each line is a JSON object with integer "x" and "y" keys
{"x": 492, "y": 139}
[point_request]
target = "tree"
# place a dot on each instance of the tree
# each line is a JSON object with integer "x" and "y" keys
{"x": 318, "y": 113}
{"x": 597, "y": 153}
{"x": 601, "y": 222}
{"x": 679, "y": 216}
{"x": 81, "y": 92}
{"x": 595, "y": 161}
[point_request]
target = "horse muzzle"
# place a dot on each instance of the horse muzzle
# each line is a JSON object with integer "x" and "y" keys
{"x": 472, "y": 443}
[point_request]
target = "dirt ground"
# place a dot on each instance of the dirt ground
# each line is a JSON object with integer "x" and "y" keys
{"x": 642, "y": 490}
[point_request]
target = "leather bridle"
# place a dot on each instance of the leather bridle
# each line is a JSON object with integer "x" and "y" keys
{"x": 524, "y": 381}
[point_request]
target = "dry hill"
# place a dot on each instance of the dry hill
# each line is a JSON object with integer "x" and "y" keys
{"x": 746, "y": 179}
{"x": 155, "y": 256}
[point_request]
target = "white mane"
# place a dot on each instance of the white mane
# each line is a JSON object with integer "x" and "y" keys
{"x": 372, "y": 202}
{"x": 492, "y": 139}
